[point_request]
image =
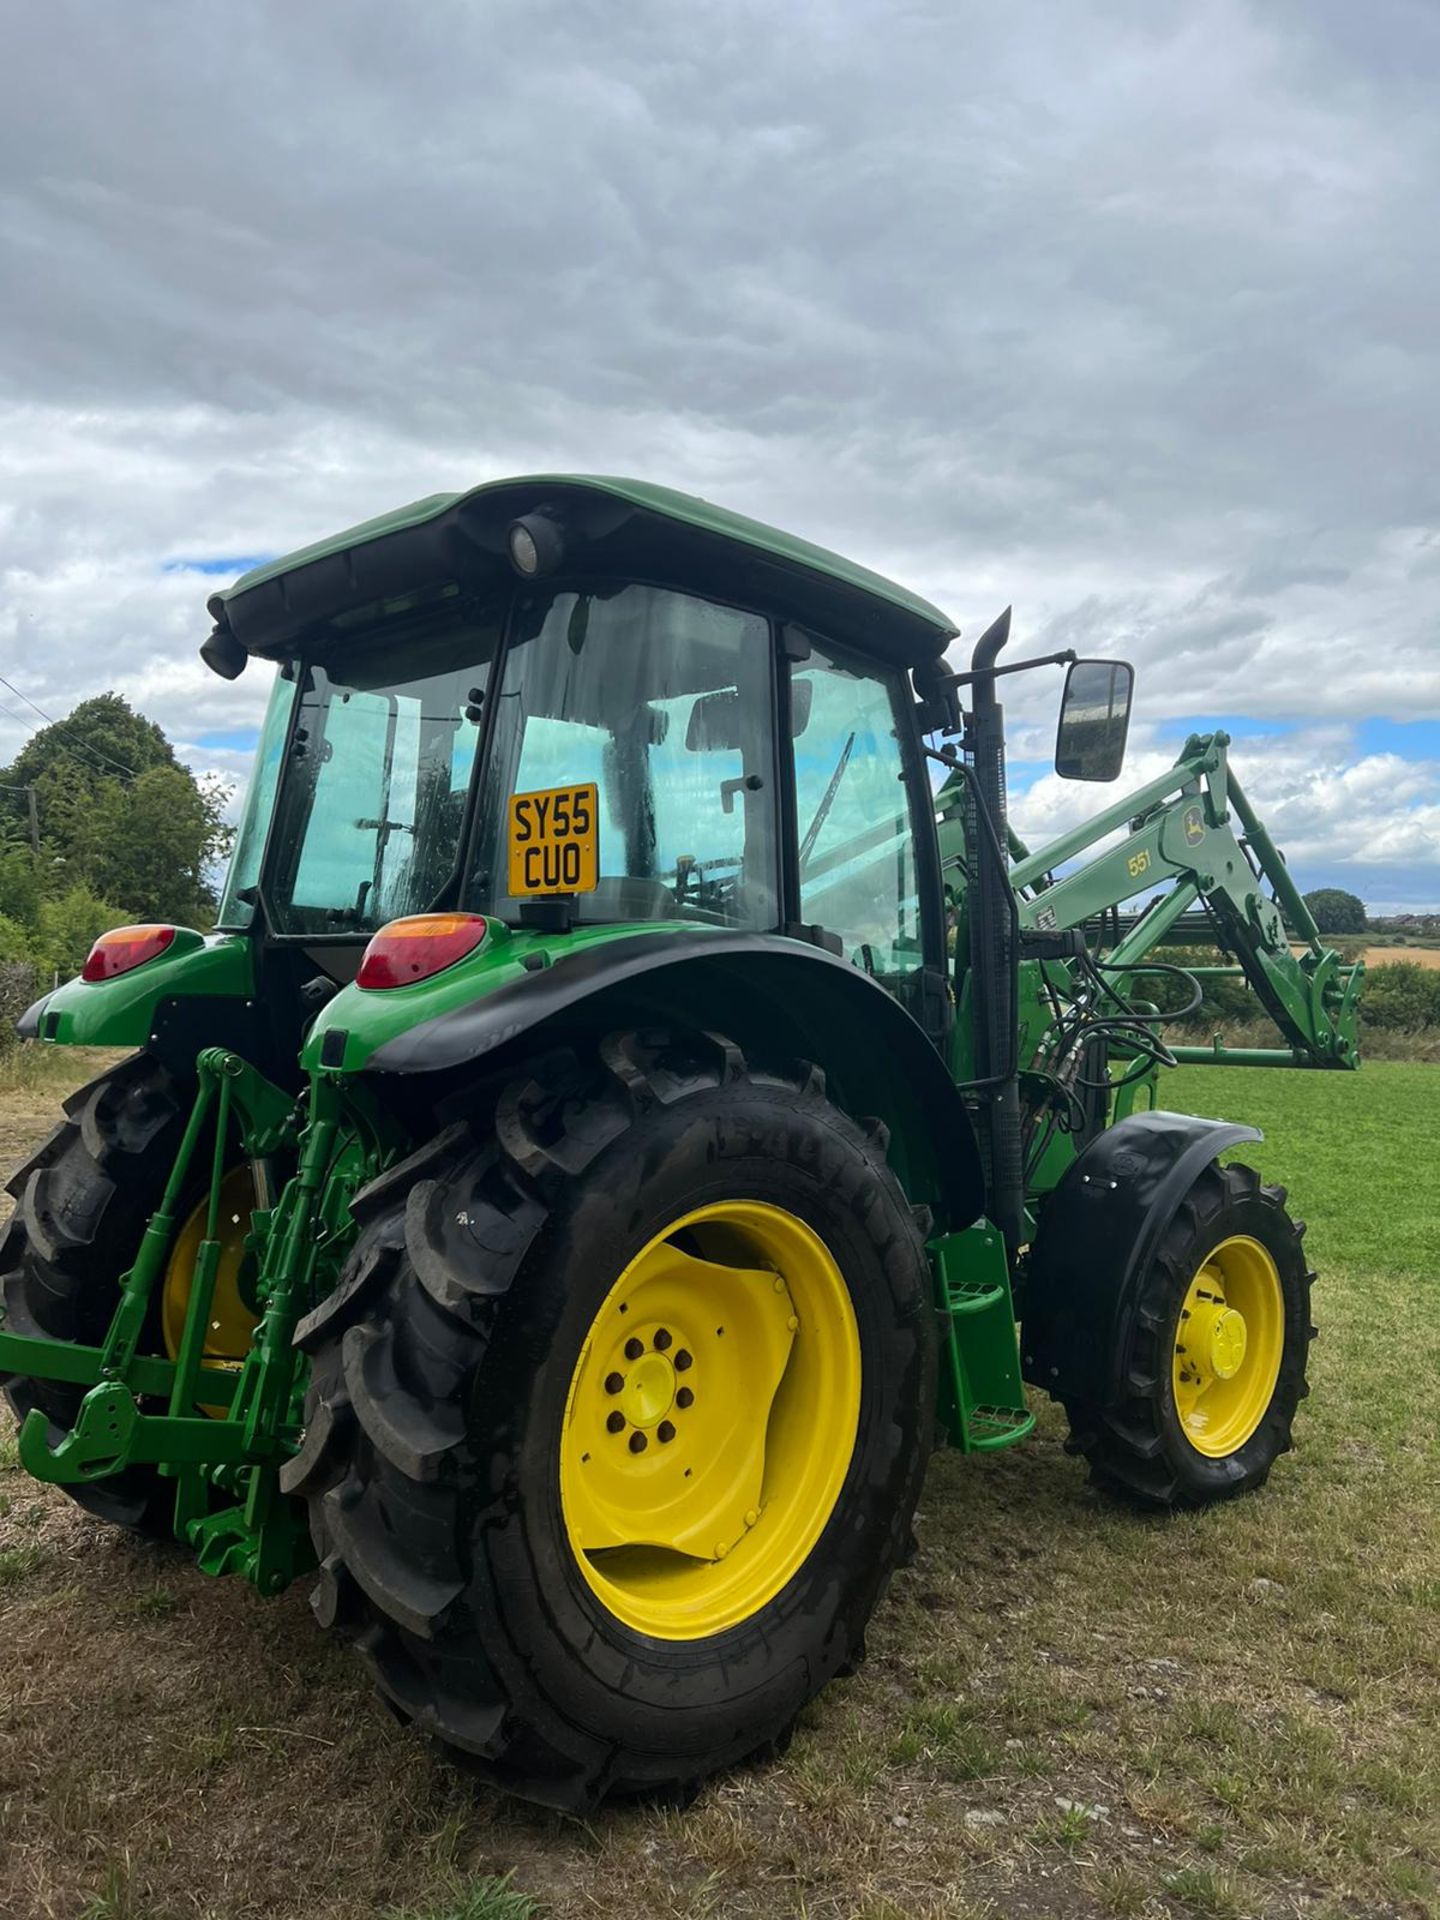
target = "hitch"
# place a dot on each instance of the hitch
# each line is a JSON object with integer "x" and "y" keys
{"x": 223, "y": 1430}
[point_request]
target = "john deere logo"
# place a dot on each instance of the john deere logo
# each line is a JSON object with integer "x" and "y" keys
{"x": 1194, "y": 822}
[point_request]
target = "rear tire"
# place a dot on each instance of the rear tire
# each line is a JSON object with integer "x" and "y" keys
{"x": 81, "y": 1205}
{"x": 1151, "y": 1445}
{"x": 440, "y": 1396}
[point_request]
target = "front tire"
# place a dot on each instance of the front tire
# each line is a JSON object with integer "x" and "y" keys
{"x": 588, "y": 1638}
{"x": 1214, "y": 1348}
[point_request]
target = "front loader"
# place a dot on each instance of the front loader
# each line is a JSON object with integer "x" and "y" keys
{"x": 638, "y": 1095}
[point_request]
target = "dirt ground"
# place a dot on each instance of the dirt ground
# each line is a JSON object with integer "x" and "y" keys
{"x": 1069, "y": 1710}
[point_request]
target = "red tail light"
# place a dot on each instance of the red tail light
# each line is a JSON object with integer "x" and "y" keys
{"x": 124, "y": 948}
{"x": 412, "y": 949}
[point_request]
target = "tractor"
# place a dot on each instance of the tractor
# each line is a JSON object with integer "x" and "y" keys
{"x": 638, "y": 1097}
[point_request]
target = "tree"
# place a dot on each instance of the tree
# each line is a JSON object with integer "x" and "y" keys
{"x": 121, "y": 822}
{"x": 20, "y": 888}
{"x": 104, "y": 734}
{"x": 1336, "y": 911}
{"x": 66, "y": 930}
{"x": 154, "y": 845}
{"x": 79, "y": 768}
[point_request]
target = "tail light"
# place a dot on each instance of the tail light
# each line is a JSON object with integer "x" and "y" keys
{"x": 412, "y": 949}
{"x": 124, "y": 948}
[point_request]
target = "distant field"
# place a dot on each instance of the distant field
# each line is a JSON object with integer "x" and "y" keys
{"x": 1428, "y": 956}
{"x": 1068, "y": 1711}
{"x": 1387, "y": 956}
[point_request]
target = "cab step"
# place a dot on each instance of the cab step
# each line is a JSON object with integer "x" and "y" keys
{"x": 982, "y": 1397}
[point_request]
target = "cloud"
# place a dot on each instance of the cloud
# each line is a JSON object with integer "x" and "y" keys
{"x": 1374, "y": 818}
{"x": 1122, "y": 314}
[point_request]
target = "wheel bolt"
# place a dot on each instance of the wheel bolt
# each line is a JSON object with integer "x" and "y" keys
{"x": 616, "y": 1422}
{"x": 633, "y": 1349}
{"x": 638, "y": 1443}
{"x": 684, "y": 1398}
{"x": 664, "y": 1431}
{"x": 662, "y": 1340}
{"x": 614, "y": 1382}
{"x": 683, "y": 1360}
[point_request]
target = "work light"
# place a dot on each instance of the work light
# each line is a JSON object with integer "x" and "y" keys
{"x": 536, "y": 544}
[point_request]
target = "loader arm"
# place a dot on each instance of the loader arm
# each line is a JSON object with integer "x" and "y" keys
{"x": 1182, "y": 827}
{"x": 1194, "y": 827}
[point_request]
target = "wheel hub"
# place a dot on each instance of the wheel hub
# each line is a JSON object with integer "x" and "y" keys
{"x": 1229, "y": 1342}
{"x": 648, "y": 1392}
{"x": 711, "y": 1418}
{"x": 1216, "y": 1336}
{"x": 233, "y": 1313}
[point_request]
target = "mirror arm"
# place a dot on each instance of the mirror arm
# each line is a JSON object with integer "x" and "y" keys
{"x": 1064, "y": 659}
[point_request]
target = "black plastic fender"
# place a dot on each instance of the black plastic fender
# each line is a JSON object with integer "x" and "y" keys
{"x": 1098, "y": 1232}
{"x": 759, "y": 988}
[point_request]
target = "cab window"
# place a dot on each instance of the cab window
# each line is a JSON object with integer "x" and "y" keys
{"x": 856, "y": 850}
{"x": 663, "y": 700}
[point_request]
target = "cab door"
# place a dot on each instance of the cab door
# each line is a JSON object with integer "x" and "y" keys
{"x": 864, "y": 866}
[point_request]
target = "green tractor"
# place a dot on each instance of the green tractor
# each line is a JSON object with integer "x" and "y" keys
{"x": 635, "y": 1087}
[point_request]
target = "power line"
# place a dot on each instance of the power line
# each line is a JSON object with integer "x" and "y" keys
{"x": 90, "y": 766}
{"x": 60, "y": 727}
{"x": 50, "y": 720}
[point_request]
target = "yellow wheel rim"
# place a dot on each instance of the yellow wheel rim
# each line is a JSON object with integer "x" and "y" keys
{"x": 711, "y": 1419}
{"x": 232, "y": 1322}
{"x": 1228, "y": 1346}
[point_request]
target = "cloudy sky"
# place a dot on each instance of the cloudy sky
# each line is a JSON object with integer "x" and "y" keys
{"x": 1123, "y": 312}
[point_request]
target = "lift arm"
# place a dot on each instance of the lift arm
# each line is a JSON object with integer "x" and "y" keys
{"x": 1194, "y": 827}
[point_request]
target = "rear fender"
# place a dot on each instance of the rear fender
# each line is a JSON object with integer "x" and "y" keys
{"x": 123, "y": 1011}
{"x": 767, "y": 992}
{"x": 1098, "y": 1232}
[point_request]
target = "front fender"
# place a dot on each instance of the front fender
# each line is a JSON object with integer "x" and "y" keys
{"x": 767, "y": 991}
{"x": 1098, "y": 1232}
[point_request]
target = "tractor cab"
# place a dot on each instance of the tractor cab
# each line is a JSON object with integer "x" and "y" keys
{"x": 592, "y": 704}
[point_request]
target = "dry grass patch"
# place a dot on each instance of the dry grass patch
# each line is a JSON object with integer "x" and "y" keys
{"x": 1068, "y": 1710}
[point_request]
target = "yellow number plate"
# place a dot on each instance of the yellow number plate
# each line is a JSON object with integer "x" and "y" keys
{"x": 554, "y": 841}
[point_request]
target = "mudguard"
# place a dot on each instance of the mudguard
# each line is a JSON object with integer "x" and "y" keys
{"x": 1097, "y": 1234}
{"x": 763, "y": 989}
{"x": 122, "y": 1012}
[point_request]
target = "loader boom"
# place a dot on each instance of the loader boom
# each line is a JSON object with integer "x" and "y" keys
{"x": 1182, "y": 828}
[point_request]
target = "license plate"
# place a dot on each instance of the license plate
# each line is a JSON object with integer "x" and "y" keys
{"x": 554, "y": 841}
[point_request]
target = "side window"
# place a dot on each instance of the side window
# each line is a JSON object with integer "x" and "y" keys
{"x": 856, "y": 849}
{"x": 337, "y": 863}
{"x": 379, "y": 787}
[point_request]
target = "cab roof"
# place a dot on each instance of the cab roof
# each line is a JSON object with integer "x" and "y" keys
{"x": 616, "y": 529}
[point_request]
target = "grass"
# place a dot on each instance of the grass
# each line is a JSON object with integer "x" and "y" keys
{"x": 1069, "y": 1710}
{"x": 483, "y": 1899}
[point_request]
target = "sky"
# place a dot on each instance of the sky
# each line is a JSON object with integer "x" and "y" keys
{"x": 1121, "y": 313}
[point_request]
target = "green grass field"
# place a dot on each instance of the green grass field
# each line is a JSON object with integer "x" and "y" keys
{"x": 1069, "y": 1710}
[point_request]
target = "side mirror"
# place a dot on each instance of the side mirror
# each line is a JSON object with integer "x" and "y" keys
{"x": 1094, "y": 719}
